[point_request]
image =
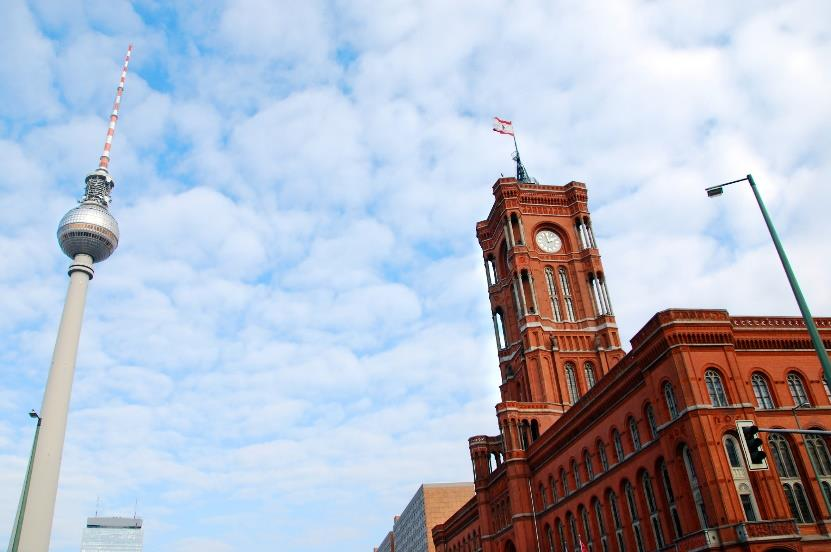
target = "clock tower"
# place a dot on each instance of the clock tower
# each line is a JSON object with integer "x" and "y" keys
{"x": 552, "y": 315}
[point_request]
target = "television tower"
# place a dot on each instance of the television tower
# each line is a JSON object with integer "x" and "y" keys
{"x": 87, "y": 234}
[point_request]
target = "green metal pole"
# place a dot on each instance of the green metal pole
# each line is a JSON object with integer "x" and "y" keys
{"x": 21, "y": 509}
{"x": 800, "y": 300}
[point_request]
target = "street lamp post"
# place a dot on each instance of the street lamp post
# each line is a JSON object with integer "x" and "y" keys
{"x": 14, "y": 542}
{"x": 714, "y": 191}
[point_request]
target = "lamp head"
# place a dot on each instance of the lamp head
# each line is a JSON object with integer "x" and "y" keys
{"x": 715, "y": 191}
{"x": 34, "y": 414}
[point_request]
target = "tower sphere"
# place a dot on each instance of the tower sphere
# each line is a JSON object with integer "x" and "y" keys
{"x": 89, "y": 228}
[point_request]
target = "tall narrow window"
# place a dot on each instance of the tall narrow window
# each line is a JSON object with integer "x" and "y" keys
{"x": 650, "y": 419}
{"x": 516, "y": 227}
{"x": 590, "y": 232}
{"x": 562, "y": 534}
{"x": 741, "y": 479}
{"x": 614, "y": 508}
{"x": 618, "y": 445}
{"x": 825, "y": 386}
{"x": 633, "y": 431}
{"x": 761, "y": 391}
{"x": 588, "y": 370}
{"x": 567, "y": 294}
{"x": 633, "y": 514}
{"x": 601, "y": 453}
{"x": 790, "y": 479}
{"x": 575, "y": 469}
{"x": 601, "y": 525}
{"x": 698, "y": 497}
{"x": 652, "y": 505}
{"x": 797, "y": 389}
{"x": 552, "y": 294}
{"x": 490, "y": 271}
{"x": 528, "y": 295}
{"x": 587, "y": 531}
{"x": 673, "y": 510}
{"x": 669, "y": 395}
{"x": 564, "y": 479}
{"x": 715, "y": 388}
{"x": 549, "y": 535}
{"x": 572, "y": 528}
{"x": 553, "y": 484}
{"x": 587, "y": 460}
{"x": 499, "y": 329}
{"x": 571, "y": 381}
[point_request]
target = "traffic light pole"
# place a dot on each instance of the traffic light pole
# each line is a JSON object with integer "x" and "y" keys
{"x": 799, "y": 431}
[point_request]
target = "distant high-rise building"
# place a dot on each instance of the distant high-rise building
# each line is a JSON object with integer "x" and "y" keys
{"x": 113, "y": 534}
{"x": 432, "y": 504}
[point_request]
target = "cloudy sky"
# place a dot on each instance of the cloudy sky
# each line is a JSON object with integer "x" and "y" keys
{"x": 294, "y": 332}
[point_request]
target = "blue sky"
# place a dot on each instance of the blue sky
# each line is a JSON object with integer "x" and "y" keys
{"x": 294, "y": 332}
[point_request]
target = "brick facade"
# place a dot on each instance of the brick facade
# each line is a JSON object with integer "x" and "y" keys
{"x": 632, "y": 451}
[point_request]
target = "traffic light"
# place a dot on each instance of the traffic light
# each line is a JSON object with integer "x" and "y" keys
{"x": 751, "y": 443}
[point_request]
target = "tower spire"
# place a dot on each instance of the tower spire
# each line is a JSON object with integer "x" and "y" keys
{"x": 104, "y": 162}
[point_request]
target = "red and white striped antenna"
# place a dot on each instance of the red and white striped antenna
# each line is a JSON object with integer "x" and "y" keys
{"x": 104, "y": 162}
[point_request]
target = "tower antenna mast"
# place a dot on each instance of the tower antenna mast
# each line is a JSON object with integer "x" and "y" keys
{"x": 104, "y": 162}
{"x": 503, "y": 126}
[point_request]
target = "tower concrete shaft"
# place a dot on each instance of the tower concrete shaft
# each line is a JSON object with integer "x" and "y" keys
{"x": 40, "y": 505}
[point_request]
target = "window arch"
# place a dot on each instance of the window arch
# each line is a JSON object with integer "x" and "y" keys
{"x": 698, "y": 497}
{"x": 619, "y": 454}
{"x": 669, "y": 396}
{"x": 601, "y": 453}
{"x": 552, "y": 294}
{"x": 797, "y": 389}
{"x": 634, "y": 433}
{"x": 588, "y": 369}
{"x": 790, "y": 479}
{"x": 587, "y": 531}
{"x": 490, "y": 270}
{"x": 601, "y": 525}
{"x": 652, "y": 506}
{"x": 571, "y": 381}
{"x": 649, "y": 412}
{"x": 614, "y": 508}
{"x": 562, "y": 534}
{"x": 673, "y": 509}
{"x": 572, "y": 528}
{"x": 629, "y": 493}
{"x": 741, "y": 479}
{"x": 715, "y": 388}
{"x": 564, "y": 479}
{"x": 587, "y": 461}
{"x": 575, "y": 470}
{"x": 566, "y": 294}
{"x": 549, "y": 536}
{"x": 499, "y": 329}
{"x": 761, "y": 391}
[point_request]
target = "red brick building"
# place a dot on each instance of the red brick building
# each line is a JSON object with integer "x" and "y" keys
{"x": 636, "y": 451}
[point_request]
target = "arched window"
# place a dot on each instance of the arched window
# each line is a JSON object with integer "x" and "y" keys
{"x": 619, "y": 455}
{"x": 652, "y": 506}
{"x": 629, "y": 493}
{"x": 542, "y": 496}
{"x": 673, "y": 510}
{"x": 587, "y": 460}
{"x": 601, "y": 525}
{"x": 564, "y": 479}
{"x": 633, "y": 431}
{"x": 490, "y": 270}
{"x": 572, "y": 528}
{"x": 566, "y": 294}
{"x": 587, "y": 531}
{"x": 571, "y": 381}
{"x": 601, "y": 453}
{"x": 588, "y": 369}
{"x": 614, "y": 508}
{"x": 669, "y": 395}
{"x": 715, "y": 388}
{"x": 650, "y": 419}
{"x": 797, "y": 389}
{"x": 549, "y": 536}
{"x": 761, "y": 391}
{"x": 575, "y": 469}
{"x": 553, "y": 485}
{"x": 562, "y": 534}
{"x": 552, "y": 294}
{"x": 499, "y": 329}
{"x": 789, "y": 478}
{"x": 698, "y": 497}
{"x": 741, "y": 479}
{"x": 516, "y": 227}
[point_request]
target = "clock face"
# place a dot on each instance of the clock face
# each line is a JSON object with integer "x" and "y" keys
{"x": 549, "y": 241}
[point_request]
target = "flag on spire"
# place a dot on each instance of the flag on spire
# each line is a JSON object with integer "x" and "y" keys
{"x": 502, "y": 126}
